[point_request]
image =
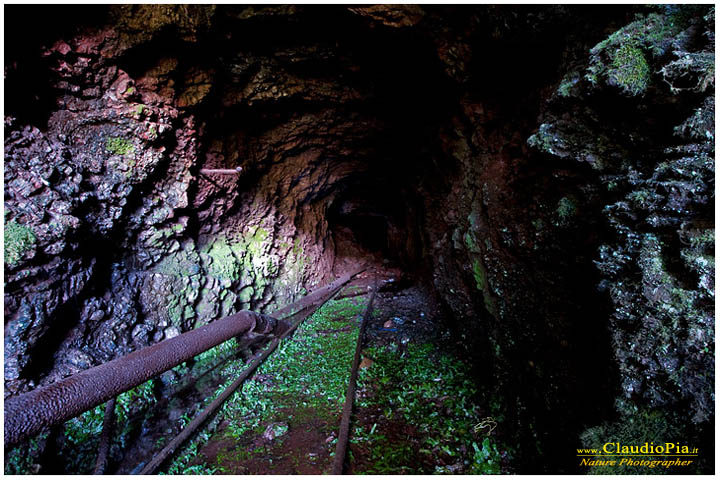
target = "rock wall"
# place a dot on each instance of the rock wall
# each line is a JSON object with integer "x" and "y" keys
{"x": 640, "y": 111}
{"x": 578, "y": 250}
{"x": 113, "y": 239}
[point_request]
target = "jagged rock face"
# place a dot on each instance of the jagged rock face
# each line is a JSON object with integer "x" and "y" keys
{"x": 370, "y": 133}
{"x": 104, "y": 197}
{"x": 640, "y": 111}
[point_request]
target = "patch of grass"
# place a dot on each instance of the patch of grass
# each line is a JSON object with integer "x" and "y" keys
{"x": 307, "y": 373}
{"x": 18, "y": 240}
{"x": 566, "y": 209}
{"x": 435, "y": 394}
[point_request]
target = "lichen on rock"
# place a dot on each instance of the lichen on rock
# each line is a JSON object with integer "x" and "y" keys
{"x": 654, "y": 272}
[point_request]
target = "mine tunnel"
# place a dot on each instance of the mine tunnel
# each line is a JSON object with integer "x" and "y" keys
{"x": 377, "y": 239}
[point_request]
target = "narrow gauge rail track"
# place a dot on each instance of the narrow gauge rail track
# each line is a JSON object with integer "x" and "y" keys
{"x": 27, "y": 414}
{"x": 323, "y": 296}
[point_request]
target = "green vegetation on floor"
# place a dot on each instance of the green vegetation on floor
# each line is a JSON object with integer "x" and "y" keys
{"x": 636, "y": 429}
{"x": 307, "y": 376}
{"x": 82, "y": 433}
{"x": 432, "y": 394}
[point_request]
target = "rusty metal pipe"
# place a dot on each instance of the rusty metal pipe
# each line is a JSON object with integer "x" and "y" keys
{"x": 316, "y": 296}
{"x": 210, "y": 410}
{"x": 27, "y": 414}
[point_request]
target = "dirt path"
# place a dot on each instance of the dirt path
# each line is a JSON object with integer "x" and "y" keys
{"x": 416, "y": 410}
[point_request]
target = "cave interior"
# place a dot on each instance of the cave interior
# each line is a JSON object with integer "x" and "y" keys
{"x": 394, "y": 137}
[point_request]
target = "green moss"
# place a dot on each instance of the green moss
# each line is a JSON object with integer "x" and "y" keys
{"x": 630, "y": 70}
{"x": 255, "y": 242}
{"x": 223, "y": 262}
{"x": 701, "y": 238}
{"x": 261, "y": 235}
{"x": 297, "y": 248}
{"x": 621, "y": 58}
{"x": 479, "y": 274}
{"x": 152, "y": 133}
{"x": 178, "y": 264}
{"x": 246, "y": 294}
{"x": 566, "y": 209}
{"x": 544, "y": 139}
{"x": 19, "y": 239}
{"x": 568, "y": 83}
{"x": 433, "y": 392}
{"x": 471, "y": 243}
{"x": 175, "y": 310}
{"x": 119, "y": 146}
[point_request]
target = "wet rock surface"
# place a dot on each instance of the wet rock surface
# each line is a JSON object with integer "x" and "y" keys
{"x": 540, "y": 179}
{"x": 656, "y": 165}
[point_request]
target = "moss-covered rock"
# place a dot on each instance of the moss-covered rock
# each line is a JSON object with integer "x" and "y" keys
{"x": 19, "y": 239}
{"x": 658, "y": 172}
{"x": 620, "y": 60}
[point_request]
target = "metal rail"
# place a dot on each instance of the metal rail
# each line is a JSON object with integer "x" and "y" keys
{"x": 27, "y": 414}
{"x": 105, "y": 438}
{"x": 344, "y": 433}
{"x": 315, "y": 300}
